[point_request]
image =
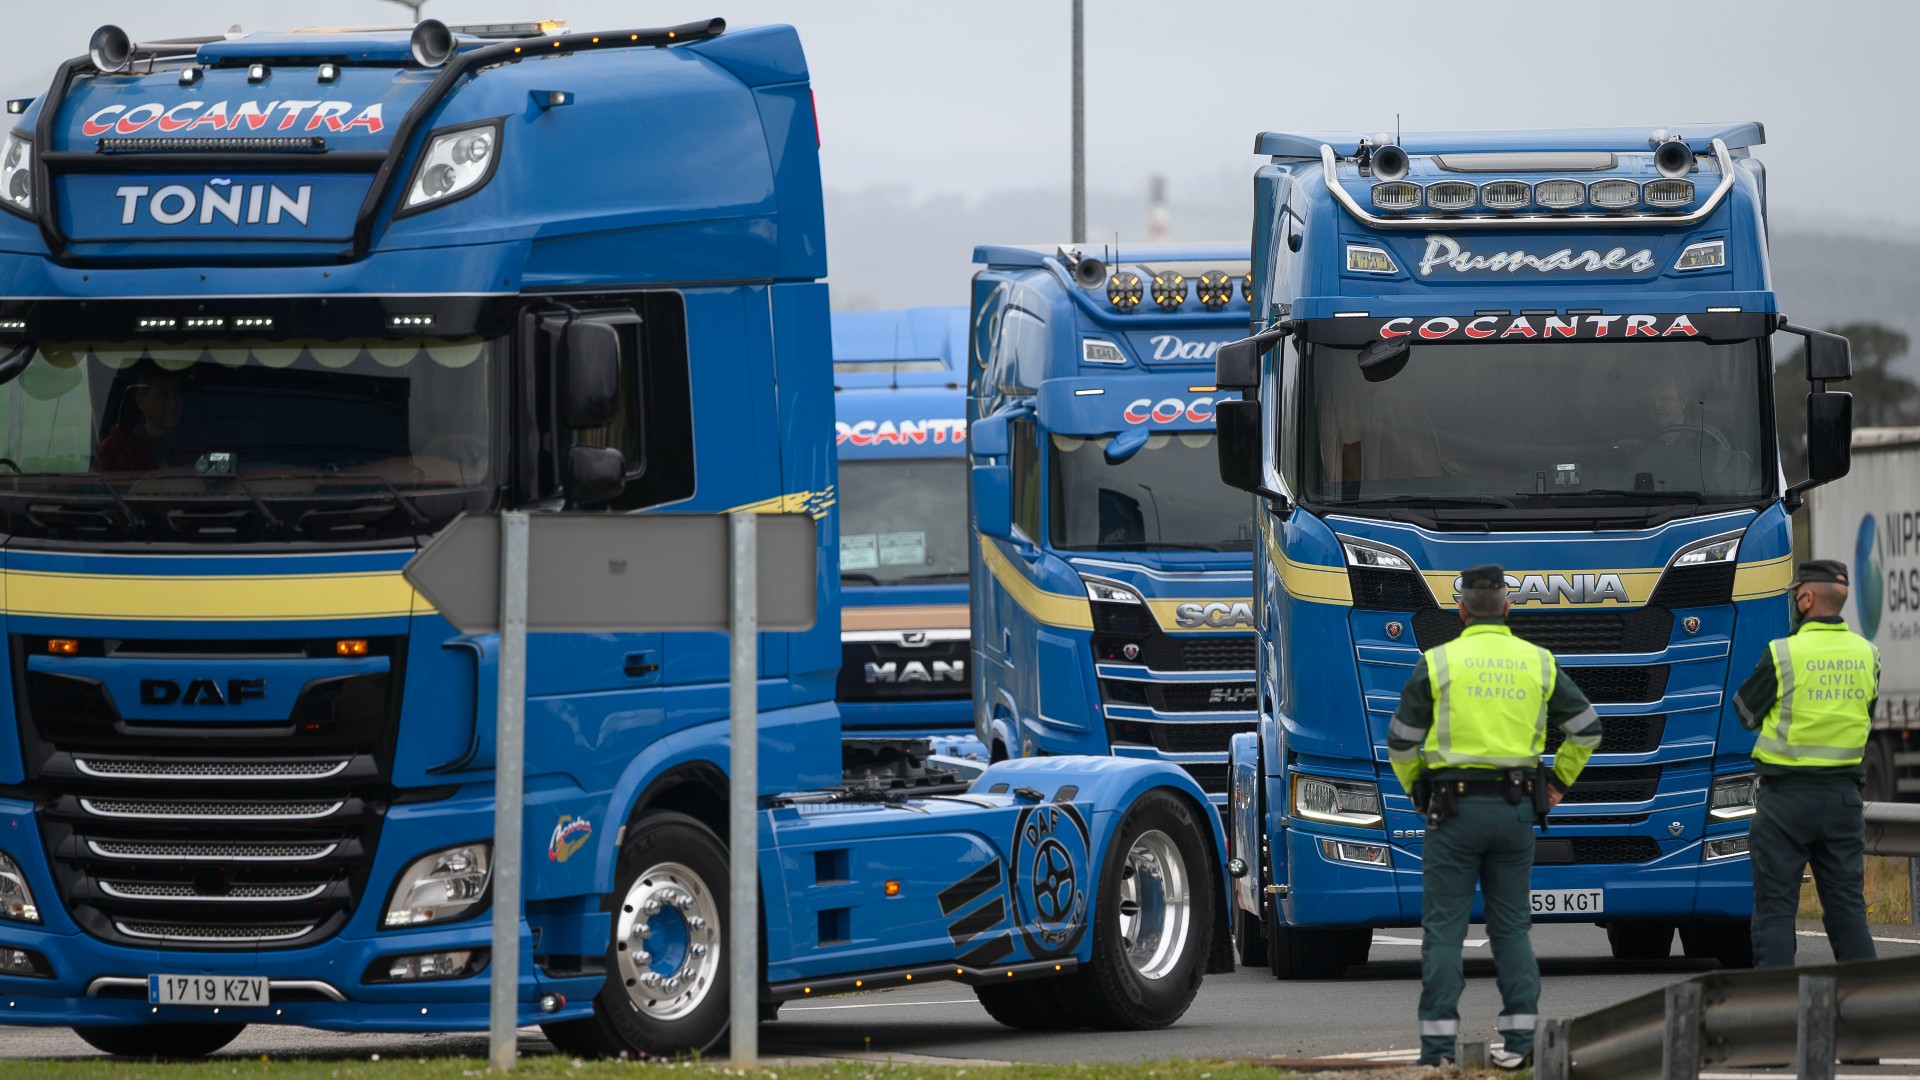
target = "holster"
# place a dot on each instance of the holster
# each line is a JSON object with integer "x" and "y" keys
{"x": 1422, "y": 793}
{"x": 1442, "y": 804}
{"x": 1542, "y": 796}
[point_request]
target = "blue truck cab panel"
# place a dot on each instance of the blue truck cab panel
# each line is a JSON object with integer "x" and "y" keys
{"x": 1111, "y": 605}
{"x": 275, "y": 310}
{"x": 899, "y": 384}
{"x": 1547, "y": 350}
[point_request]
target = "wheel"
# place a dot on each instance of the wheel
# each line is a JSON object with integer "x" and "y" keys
{"x": 1251, "y": 937}
{"x": 155, "y": 1041}
{"x": 1878, "y": 762}
{"x": 1731, "y": 943}
{"x": 1029, "y": 1004}
{"x": 1152, "y": 920}
{"x": 666, "y": 988}
{"x": 1640, "y": 941}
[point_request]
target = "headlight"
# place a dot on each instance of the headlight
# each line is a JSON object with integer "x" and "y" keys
{"x": 455, "y": 163}
{"x": 1719, "y": 549}
{"x": 1110, "y": 592}
{"x": 16, "y": 174}
{"x": 16, "y": 899}
{"x": 446, "y": 885}
{"x": 1343, "y": 802}
{"x": 1376, "y": 558}
{"x": 1731, "y": 798}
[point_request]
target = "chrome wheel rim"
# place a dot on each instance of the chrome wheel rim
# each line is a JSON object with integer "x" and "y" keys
{"x": 1156, "y": 905}
{"x": 667, "y": 941}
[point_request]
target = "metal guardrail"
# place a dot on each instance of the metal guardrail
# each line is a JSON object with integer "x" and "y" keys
{"x": 1807, "y": 1016}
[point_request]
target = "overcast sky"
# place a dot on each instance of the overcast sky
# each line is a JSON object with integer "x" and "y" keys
{"x": 966, "y": 96}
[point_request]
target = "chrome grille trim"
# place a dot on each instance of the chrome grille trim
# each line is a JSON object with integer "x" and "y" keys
{"x": 210, "y": 811}
{"x": 124, "y": 769}
{"x": 163, "y": 851}
{"x": 224, "y": 934}
{"x": 241, "y": 894}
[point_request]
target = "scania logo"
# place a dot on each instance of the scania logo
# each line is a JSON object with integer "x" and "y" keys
{"x": 920, "y": 671}
{"x": 201, "y": 692}
{"x": 220, "y": 197}
{"x": 1231, "y": 695}
{"x": 1170, "y": 347}
{"x": 1214, "y": 616}
{"x": 1561, "y": 589}
{"x": 1168, "y": 410}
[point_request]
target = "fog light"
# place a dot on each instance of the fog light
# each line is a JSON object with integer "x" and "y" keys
{"x": 1559, "y": 194}
{"x": 1398, "y": 195}
{"x": 25, "y": 964}
{"x": 1726, "y": 848}
{"x": 428, "y": 966}
{"x": 1669, "y": 194}
{"x": 1614, "y": 194}
{"x": 1504, "y": 195}
{"x": 1452, "y": 195}
{"x": 1350, "y": 852}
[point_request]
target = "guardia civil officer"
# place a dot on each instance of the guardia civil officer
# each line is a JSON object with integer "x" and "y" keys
{"x": 1466, "y": 744}
{"x": 1811, "y": 699}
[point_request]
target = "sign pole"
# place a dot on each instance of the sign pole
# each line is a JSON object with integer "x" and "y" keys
{"x": 508, "y": 781}
{"x": 743, "y": 796}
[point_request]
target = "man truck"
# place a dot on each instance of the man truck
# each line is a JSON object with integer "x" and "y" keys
{"x": 274, "y": 310}
{"x": 901, "y": 431}
{"x": 1111, "y": 570}
{"x": 1549, "y": 350}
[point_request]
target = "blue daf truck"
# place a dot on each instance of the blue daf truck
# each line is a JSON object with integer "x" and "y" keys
{"x": 1547, "y": 350}
{"x": 1111, "y": 571}
{"x": 901, "y": 429}
{"x": 274, "y": 310}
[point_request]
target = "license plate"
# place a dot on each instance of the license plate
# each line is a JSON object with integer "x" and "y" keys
{"x": 1567, "y": 901}
{"x": 223, "y": 990}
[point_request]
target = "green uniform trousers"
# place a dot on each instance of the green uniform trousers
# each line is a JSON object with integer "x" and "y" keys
{"x": 1489, "y": 841}
{"x": 1801, "y": 821}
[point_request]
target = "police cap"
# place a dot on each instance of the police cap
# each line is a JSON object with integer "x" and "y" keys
{"x": 1489, "y": 576}
{"x": 1813, "y": 570}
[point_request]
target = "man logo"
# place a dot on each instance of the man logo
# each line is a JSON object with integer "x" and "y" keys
{"x": 916, "y": 671}
{"x": 1215, "y": 616}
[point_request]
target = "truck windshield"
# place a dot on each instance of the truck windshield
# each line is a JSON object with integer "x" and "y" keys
{"x": 260, "y": 440}
{"x": 1168, "y": 495}
{"x": 904, "y": 521}
{"x": 1512, "y": 425}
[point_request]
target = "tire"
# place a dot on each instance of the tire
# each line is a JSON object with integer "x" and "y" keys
{"x": 676, "y": 866}
{"x": 1251, "y": 936}
{"x": 1878, "y": 762}
{"x": 1029, "y": 1004}
{"x": 1731, "y": 943}
{"x": 1359, "y": 945}
{"x": 156, "y": 1041}
{"x": 1158, "y": 877}
{"x": 1315, "y": 952}
{"x": 1640, "y": 941}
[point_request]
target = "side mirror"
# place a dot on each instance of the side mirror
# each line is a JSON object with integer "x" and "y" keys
{"x": 1829, "y": 434}
{"x": 993, "y": 501}
{"x": 1123, "y": 446}
{"x": 1829, "y": 356}
{"x": 1236, "y": 365}
{"x": 1382, "y": 360}
{"x": 987, "y": 437}
{"x": 590, "y": 374}
{"x": 1237, "y": 441}
{"x": 595, "y": 474}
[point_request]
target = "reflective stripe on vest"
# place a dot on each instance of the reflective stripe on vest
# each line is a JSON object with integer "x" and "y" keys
{"x": 1490, "y": 692}
{"x": 1827, "y": 679}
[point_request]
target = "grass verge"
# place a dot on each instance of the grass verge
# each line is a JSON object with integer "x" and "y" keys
{"x": 1887, "y": 899}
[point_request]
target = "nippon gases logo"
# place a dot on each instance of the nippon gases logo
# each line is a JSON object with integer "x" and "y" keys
{"x": 1869, "y": 592}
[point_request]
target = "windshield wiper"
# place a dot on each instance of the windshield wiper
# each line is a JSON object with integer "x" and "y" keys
{"x": 1430, "y": 500}
{"x": 1694, "y": 497}
{"x": 1165, "y": 545}
{"x": 134, "y": 521}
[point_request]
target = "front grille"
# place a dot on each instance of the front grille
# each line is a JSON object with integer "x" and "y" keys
{"x": 1180, "y": 697}
{"x": 1624, "y": 683}
{"x": 1118, "y": 626}
{"x": 1695, "y": 586}
{"x": 1596, "y": 819}
{"x": 1615, "y": 783}
{"x": 1212, "y": 778}
{"x": 1620, "y": 735}
{"x": 1177, "y": 737}
{"x": 890, "y": 671}
{"x": 211, "y": 834}
{"x": 1391, "y": 590}
{"x": 1629, "y": 630}
{"x": 1615, "y": 849}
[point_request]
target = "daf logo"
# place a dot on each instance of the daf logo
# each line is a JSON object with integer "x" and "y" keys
{"x": 916, "y": 671}
{"x": 1561, "y": 589}
{"x": 201, "y": 692}
{"x": 1214, "y": 616}
{"x": 1230, "y": 695}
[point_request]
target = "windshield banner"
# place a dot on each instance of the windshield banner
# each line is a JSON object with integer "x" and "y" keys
{"x": 1715, "y": 327}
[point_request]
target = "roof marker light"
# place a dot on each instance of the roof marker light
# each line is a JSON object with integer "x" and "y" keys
{"x": 256, "y": 73}
{"x": 189, "y": 76}
{"x": 1169, "y": 290}
{"x": 1702, "y": 256}
{"x": 1124, "y": 290}
{"x": 13, "y": 325}
{"x": 550, "y": 99}
{"x": 1095, "y": 392}
{"x": 406, "y": 321}
{"x": 1396, "y": 195}
{"x": 1725, "y": 310}
{"x": 1215, "y": 289}
{"x": 16, "y": 106}
{"x": 1202, "y": 389}
{"x": 1505, "y": 194}
{"x": 1367, "y": 259}
{"x": 329, "y": 72}
{"x": 1614, "y": 194}
{"x": 1452, "y": 195}
{"x": 1350, "y": 314}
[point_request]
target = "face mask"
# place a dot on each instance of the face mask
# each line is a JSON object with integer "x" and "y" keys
{"x": 1799, "y": 615}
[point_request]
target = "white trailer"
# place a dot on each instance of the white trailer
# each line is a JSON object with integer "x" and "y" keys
{"x": 1870, "y": 519}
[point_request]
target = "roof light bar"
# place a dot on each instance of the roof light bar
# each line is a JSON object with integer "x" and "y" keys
{"x": 1452, "y": 195}
{"x": 1668, "y": 194}
{"x": 1505, "y": 194}
{"x": 1614, "y": 194}
{"x": 1559, "y": 194}
{"x": 1396, "y": 195}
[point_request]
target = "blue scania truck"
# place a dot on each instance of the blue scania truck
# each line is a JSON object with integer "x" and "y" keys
{"x": 1548, "y": 350}
{"x": 1111, "y": 575}
{"x": 900, "y": 412}
{"x": 274, "y": 310}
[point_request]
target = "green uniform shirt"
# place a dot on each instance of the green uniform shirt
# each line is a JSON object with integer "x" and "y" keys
{"x": 1502, "y": 692}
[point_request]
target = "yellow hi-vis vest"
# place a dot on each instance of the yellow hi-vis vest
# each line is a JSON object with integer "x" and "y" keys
{"x": 1490, "y": 692}
{"x": 1828, "y": 677}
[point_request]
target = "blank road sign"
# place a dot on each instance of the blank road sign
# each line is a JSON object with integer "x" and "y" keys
{"x": 605, "y": 573}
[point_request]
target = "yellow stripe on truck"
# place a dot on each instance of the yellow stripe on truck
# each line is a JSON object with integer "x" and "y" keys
{"x": 1050, "y": 608}
{"x": 1758, "y": 580}
{"x": 211, "y": 598}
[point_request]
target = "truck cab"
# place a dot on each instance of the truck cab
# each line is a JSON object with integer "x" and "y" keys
{"x": 899, "y": 398}
{"x": 1550, "y": 350}
{"x": 1111, "y": 571}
